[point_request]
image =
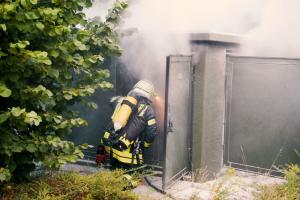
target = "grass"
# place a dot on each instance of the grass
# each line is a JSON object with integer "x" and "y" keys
{"x": 287, "y": 191}
{"x": 104, "y": 185}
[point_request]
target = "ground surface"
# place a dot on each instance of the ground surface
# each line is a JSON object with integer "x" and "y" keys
{"x": 234, "y": 185}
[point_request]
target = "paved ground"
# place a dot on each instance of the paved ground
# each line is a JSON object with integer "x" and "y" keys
{"x": 80, "y": 168}
{"x": 231, "y": 185}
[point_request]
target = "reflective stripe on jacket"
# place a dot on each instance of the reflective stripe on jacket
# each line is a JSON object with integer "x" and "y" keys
{"x": 141, "y": 126}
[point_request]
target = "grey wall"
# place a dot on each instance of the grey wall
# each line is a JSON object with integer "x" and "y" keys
{"x": 263, "y": 112}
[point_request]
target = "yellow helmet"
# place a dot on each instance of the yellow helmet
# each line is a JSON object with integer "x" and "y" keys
{"x": 145, "y": 88}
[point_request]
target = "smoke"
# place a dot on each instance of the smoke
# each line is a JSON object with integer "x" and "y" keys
{"x": 162, "y": 27}
{"x": 99, "y": 9}
{"x": 278, "y": 31}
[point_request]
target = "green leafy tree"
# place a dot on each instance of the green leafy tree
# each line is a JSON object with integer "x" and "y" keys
{"x": 51, "y": 57}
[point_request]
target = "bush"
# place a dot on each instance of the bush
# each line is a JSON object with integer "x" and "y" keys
{"x": 50, "y": 58}
{"x": 74, "y": 186}
{"x": 287, "y": 191}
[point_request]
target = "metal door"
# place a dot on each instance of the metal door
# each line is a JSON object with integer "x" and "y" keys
{"x": 262, "y": 113}
{"x": 177, "y": 118}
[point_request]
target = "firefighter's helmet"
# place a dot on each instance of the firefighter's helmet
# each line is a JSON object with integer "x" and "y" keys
{"x": 145, "y": 88}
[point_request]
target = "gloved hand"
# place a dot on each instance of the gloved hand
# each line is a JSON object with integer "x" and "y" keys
{"x": 101, "y": 155}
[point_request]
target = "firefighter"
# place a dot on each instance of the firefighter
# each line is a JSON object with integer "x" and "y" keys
{"x": 132, "y": 129}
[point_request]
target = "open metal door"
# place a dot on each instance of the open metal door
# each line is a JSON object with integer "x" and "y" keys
{"x": 178, "y": 103}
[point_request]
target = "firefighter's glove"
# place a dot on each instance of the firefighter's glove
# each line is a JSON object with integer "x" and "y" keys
{"x": 101, "y": 155}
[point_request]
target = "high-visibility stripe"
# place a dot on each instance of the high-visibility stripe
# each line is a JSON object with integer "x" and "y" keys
{"x": 142, "y": 109}
{"x": 125, "y": 141}
{"x": 106, "y": 135}
{"x": 124, "y": 156}
{"x": 151, "y": 122}
{"x": 146, "y": 144}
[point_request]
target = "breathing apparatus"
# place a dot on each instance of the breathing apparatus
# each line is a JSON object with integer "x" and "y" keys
{"x": 124, "y": 110}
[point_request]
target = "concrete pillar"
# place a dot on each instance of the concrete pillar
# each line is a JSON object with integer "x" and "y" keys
{"x": 209, "y": 51}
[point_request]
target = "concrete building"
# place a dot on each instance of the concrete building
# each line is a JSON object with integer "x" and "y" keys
{"x": 233, "y": 110}
{"x": 209, "y": 51}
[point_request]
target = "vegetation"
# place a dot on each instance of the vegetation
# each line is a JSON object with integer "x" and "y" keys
{"x": 287, "y": 191}
{"x": 103, "y": 185}
{"x": 50, "y": 58}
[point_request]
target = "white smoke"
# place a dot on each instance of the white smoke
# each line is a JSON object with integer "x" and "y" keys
{"x": 271, "y": 27}
{"x": 99, "y": 9}
{"x": 278, "y": 31}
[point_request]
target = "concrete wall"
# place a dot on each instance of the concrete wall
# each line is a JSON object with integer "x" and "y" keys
{"x": 209, "y": 51}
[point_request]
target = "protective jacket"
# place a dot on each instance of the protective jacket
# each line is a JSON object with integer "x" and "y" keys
{"x": 127, "y": 144}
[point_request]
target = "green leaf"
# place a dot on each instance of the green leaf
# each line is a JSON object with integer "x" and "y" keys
{"x": 68, "y": 96}
{"x": 90, "y": 90}
{"x": 57, "y": 119}
{"x": 42, "y": 91}
{"x": 31, "y": 148}
{"x": 17, "y": 111}
{"x": 67, "y": 75}
{"x": 86, "y": 146}
{"x": 40, "y": 25}
{"x": 8, "y": 7}
{"x": 80, "y": 45}
{"x": 32, "y": 118}
{"x": 5, "y": 175}
{"x": 47, "y": 62}
{"x": 69, "y": 58}
{"x": 33, "y": 2}
{"x": 18, "y": 149}
{"x": 43, "y": 148}
{"x": 3, "y": 27}
{"x": 77, "y": 43}
{"x": 93, "y": 105}
{"x": 21, "y": 45}
{"x": 4, "y": 91}
{"x": 54, "y": 53}
{"x": 2, "y": 54}
{"x": 53, "y": 73}
{"x": 65, "y": 54}
{"x": 31, "y": 15}
{"x": 4, "y": 117}
{"x": 92, "y": 59}
{"x": 100, "y": 58}
{"x": 23, "y": 3}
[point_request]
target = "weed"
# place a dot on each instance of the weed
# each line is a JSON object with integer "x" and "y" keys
{"x": 104, "y": 185}
{"x": 220, "y": 191}
{"x": 287, "y": 191}
{"x": 200, "y": 175}
{"x": 194, "y": 197}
